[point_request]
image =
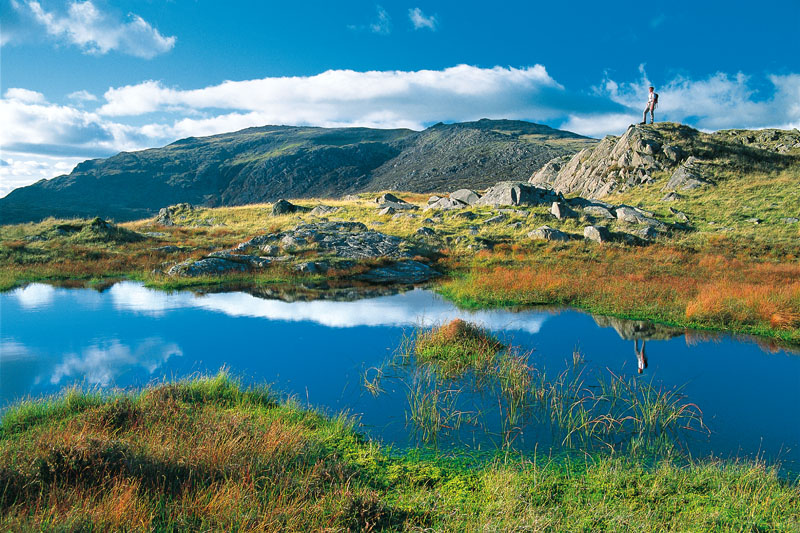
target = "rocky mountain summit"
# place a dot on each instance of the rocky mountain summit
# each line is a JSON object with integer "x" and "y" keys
{"x": 690, "y": 158}
{"x": 264, "y": 164}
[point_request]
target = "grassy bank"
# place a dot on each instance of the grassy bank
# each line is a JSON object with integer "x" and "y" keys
{"x": 209, "y": 454}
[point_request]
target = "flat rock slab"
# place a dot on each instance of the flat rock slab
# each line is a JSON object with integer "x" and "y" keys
{"x": 401, "y": 272}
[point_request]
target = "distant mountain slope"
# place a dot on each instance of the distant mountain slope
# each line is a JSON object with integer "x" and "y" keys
{"x": 267, "y": 163}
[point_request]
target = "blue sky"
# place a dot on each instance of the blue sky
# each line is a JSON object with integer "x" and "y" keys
{"x": 89, "y": 78}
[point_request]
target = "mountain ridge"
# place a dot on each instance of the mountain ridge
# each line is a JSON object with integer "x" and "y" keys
{"x": 262, "y": 164}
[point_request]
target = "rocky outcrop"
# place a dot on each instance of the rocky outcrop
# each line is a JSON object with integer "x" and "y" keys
{"x": 390, "y": 200}
{"x": 615, "y": 164}
{"x": 516, "y": 193}
{"x": 561, "y": 211}
{"x": 444, "y": 204}
{"x": 166, "y": 214}
{"x": 337, "y": 244}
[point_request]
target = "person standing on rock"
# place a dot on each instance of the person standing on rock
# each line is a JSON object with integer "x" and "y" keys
{"x": 652, "y": 100}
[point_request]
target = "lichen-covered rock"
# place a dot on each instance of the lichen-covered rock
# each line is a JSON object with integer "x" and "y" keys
{"x": 165, "y": 214}
{"x": 546, "y": 233}
{"x": 389, "y": 210}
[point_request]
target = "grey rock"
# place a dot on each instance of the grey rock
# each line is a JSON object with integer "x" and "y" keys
{"x": 389, "y": 210}
{"x": 292, "y": 242}
{"x": 597, "y": 234}
{"x": 516, "y": 193}
{"x": 446, "y": 204}
{"x": 209, "y": 266}
{"x": 468, "y": 215}
{"x": 399, "y": 206}
{"x": 671, "y": 197}
{"x": 687, "y": 177}
{"x": 465, "y": 196}
{"x": 547, "y": 233}
{"x": 284, "y": 207}
{"x": 426, "y": 231}
{"x": 674, "y": 153}
{"x": 324, "y": 210}
{"x": 546, "y": 176}
{"x": 169, "y": 249}
{"x": 246, "y": 259}
{"x": 406, "y": 272}
{"x": 598, "y": 211}
{"x": 165, "y": 214}
{"x": 400, "y": 216}
{"x": 634, "y": 216}
{"x": 433, "y": 199}
{"x": 790, "y": 220}
{"x": 561, "y": 211}
{"x": 496, "y": 219}
{"x": 680, "y": 216}
{"x": 648, "y": 233}
{"x": 388, "y": 197}
{"x": 270, "y": 250}
{"x": 312, "y": 267}
{"x": 754, "y": 220}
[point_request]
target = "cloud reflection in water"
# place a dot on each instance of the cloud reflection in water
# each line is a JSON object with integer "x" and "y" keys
{"x": 412, "y": 308}
{"x": 101, "y": 363}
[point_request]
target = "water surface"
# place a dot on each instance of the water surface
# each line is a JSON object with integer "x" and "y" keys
{"x": 318, "y": 351}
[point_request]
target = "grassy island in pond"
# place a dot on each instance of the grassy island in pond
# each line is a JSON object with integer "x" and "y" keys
{"x": 210, "y": 454}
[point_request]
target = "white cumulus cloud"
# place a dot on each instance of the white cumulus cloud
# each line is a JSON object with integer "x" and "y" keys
{"x": 420, "y": 21}
{"x": 96, "y": 32}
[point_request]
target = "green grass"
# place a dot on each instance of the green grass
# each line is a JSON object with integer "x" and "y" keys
{"x": 209, "y": 454}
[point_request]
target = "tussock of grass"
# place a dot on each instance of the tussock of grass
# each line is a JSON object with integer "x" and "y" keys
{"x": 457, "y": 347}
{"x": 208, "y": 454}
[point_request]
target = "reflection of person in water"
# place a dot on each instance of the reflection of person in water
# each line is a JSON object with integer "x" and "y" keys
{"x": 641, "y": 357}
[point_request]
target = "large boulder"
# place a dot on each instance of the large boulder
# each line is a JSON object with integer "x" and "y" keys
{"x": 597, "y": 233}
{"x": 516, "y": 193}
{"x": 562, "y": 211}
{"x": 465, "y": 195}
{"x": 390, "y": 200}
{"x": 285, "y": 207}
